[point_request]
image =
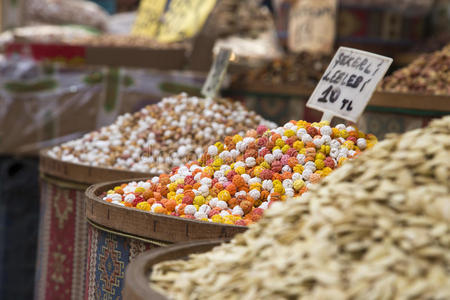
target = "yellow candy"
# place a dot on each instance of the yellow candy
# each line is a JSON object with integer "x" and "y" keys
{"x": 227, "y": 221}
{"x": 173, "y": 187}
{"x": 224, "y": 195}
{"x": 265, "y": 165}
{"x": 298, "y": 145}
{"x": 343, "y": 133}
{"x": 217, "y": 219}
{"x": 219, "y": 146}
{"x": 240, "y": 170}
{"x": 283, "y": 198}
{"x": 196, "y": 206}
{"x": 326, "y": 171}
{"x": 320, "y": 156}
{"x": 335, "y": 132}
{"x": 325, "y": 149}
{"x": 278, "y": 189}
{"x": 256, "y": 186}
{"x": 342, "y": 160}
{"x": 276, "y": 182}
{"x": 237, "y": 138}
{"x": 275, "y": 148}
{"x": 361, "y": 134}
{"x": 289, "y": 133}
{"x": 257, "y": 170}
{"x": 324, "y": 123}
{"x": 209, "y": 198}
{"x": 217, "y": 162}
{"x": 199, "y": 200}
{"x": 204, "y": 219}
{"x": 302, "y": 151}
{"x": 171, "y": 195}
{"x": 298, "y": 169}
{"x": 110, "y": 192}
{"x": 139, "y": 190}
{"x": 302, "y": 124}
{"x": 143, "y": 205}
{"x": 298, "y": 184}
{"x": 285, "y": 148}
{"x": 179, "y": 181}
{"x": 319, "y": 164}
{"x": 117, "y": 188}
{"x": 209, "y": 170}
{"x": 279, "y": 142}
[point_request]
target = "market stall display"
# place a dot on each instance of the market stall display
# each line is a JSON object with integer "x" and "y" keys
{"x": 428, "y": 74}
{"x": 161, "y": 136}
{"x": 234, "y": 181}
{"x": 154, "y": 139}
{"x": 300, "y": 71}
{"x": 378, "y": 227}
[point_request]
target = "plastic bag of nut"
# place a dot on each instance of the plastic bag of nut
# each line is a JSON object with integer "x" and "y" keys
{"x": 67, "y": 12}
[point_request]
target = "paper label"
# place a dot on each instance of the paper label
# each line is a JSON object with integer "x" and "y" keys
{"x": 183, "y": 19}
{"x": 312, "y": 26}
{"x": 348, "y": 83}
{"x": 172, "y": 20}
{"x": 216, "y": 73}
{"x": 148, "y": 17}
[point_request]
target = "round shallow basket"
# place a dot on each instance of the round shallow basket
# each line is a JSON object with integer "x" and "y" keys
{"x": 138, "y": 272}
{"x": 117, "y": 234}
{"x": 63, "y": 238}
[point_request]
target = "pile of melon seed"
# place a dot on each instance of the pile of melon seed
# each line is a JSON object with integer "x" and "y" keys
{"x": 376, "y": 228}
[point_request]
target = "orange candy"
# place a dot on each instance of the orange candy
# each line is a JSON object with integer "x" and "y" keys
{"x": 238, "y": 181}
{"x": 231, "y": 188}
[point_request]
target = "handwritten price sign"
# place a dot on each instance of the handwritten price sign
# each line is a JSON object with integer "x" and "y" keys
{"x": 217, "y": 73}
{"x": 348, "y": 83}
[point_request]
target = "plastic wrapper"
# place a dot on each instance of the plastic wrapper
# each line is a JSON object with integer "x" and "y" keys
{"x": 67, "y": 12}
{"x": 44, "y": 34}
{"x": 44, "y": 105}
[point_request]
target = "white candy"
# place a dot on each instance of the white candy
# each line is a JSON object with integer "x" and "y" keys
{"x": 289, "y": 192}
{"x": 205, "y": 208}
{"x": 361, "y": 143}
{"x": 213, "y": 202}
{"x": 200, "y": 215}
{"x": 250, "y": 162}
{"x": 288, "y": 183}
{"x": 190, "y": 210}
{"x": 206, "y": 181}
{"x": 246, "y": 177}
{"x": 286, "y": 168}
{"x": 129, "y": 198}
{"x": 306, "y": 174}
{"x": 212, "y": 150}
{"x": 306, "y": 138}
{"x": 221, "y": 204}
{"x": 224, "y": 213}
{"x": 269, "y": 158}
{"x": 326, "y": 130}
{"x": 204, "y": 190}
{"x": 296, "y": 176}
{"x": 237, "y": 211}
{"x": 277, "y": 153}
{"x": 255, "y": 194}
{"x": 267, "y": 184}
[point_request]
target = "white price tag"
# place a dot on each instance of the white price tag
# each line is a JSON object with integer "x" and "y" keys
{"x": 216, "y": 73}
{"x": 348, "y": 83}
